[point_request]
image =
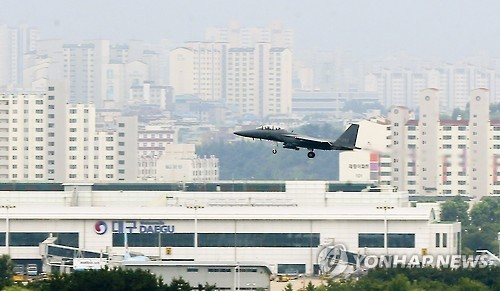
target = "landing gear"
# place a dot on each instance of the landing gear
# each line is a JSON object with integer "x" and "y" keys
{"x": 274, "y": 151}
{"x": 311, "y": 154}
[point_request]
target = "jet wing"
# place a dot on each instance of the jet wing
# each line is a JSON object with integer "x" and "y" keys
{"x": 312, "y": 140}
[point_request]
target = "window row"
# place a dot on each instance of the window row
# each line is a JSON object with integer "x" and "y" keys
{"x": 297, "y": 240}
{"x": 394, "y": 240}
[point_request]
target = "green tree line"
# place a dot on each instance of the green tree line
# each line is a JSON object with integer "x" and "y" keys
{"x": 480, "y": 225}
{"x": 413, "y": 279}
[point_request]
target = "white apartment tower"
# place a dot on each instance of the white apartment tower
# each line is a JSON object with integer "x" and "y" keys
{"x": 44, "y": 139}
{"x": 79, "y": 147}
{"x": 446, "y": 157}
{"x": 79, "y": 69}
{"x": 23, "y": 135}
{"x": 251, "y": 80}
{"x": 428, "y": 126}
{"x": 398, "y": 117}
{"x": 259, "y": 80}
{"x": 85, "y": 68}
{"x": 197, "y": 69}
{"x": 479, "y": 141}
{"x": 14, "y": 44}
{"x": 237, "y": 36}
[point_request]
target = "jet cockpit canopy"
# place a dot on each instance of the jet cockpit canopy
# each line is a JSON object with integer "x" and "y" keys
{"x": 269, "y": 127}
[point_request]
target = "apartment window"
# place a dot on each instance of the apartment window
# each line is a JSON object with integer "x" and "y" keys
{"x": 121, "y": 124}
{"x": 445, "y": 240}
{"x": 438, "y": 240}
{"x": 109, "y": 138}
{"x": 72, "y": 176}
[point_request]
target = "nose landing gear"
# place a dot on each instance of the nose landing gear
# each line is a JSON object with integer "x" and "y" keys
{"x": 274, "y": 151}
{"x": 311, "y": 154}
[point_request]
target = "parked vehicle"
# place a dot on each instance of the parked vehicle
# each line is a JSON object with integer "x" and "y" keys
{"x": 32, "y": 269}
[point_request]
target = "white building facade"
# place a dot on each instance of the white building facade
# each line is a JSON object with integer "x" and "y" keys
{"x": 280, "y": 223}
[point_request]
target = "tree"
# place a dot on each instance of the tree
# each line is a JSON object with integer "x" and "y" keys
{"x": 486, "y": 211}
{"x": 288, "y": 287}
{"x": 310, "y": 286}
{"x": 399, "y": 283}
{"x": 466, "y": 284}
{"x": 6, "y": 271}
{"x": 485, "y": 223}
{"x": 455, "y": 210}
{"x": 179, "y": 285}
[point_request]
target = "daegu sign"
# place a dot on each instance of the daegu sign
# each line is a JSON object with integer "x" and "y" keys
{"x": 133, "y": 226}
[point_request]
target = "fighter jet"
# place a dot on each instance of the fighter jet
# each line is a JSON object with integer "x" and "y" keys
{"x": 291, "y": 140}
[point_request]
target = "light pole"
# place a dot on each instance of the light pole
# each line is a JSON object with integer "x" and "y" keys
{"x": 195, "y": 207}
{"x": 236, "y": 277}
{"x": 385, "y": 207}
{"x": 7, "y": 225}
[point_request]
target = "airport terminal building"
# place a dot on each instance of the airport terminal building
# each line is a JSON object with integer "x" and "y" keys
{"x": 279, "y": 223}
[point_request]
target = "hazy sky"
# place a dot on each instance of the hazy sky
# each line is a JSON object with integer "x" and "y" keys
{"x": 447, "y": 29}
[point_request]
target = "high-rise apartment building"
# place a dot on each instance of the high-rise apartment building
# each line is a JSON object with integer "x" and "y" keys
{"x": 43, "y": 138}
{"x": 401, "y": 87}
{"x": 251, "y": 80}
{"x": 237, "y": 36}
{"x": 14, "y": 44}
{"x": 198, "y": 69}
{"x": 84, "y": 68}
{"x": 429, "y": 156}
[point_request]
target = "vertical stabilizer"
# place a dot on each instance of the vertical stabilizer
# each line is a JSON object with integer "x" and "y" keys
{"x": 347, "y": 140}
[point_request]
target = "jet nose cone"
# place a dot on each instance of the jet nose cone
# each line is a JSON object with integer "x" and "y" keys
{"x": 240, "y": 133}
